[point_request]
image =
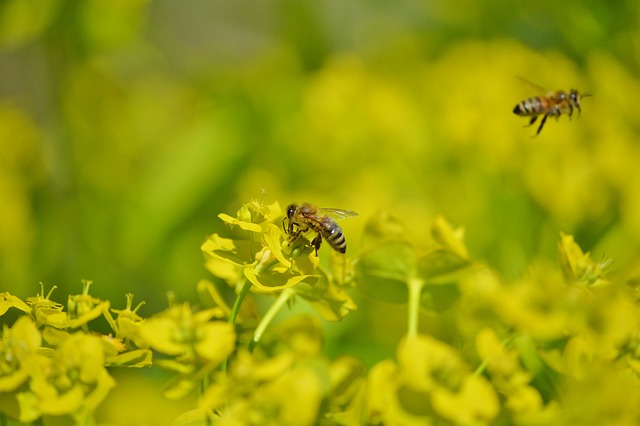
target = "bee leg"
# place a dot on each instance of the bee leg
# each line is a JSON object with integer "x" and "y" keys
{"x": 533, "y": 120}
{"x": 316, "y": 243}
{"x": 579, "y": 110}
{"x": 570, "y": 111}
{"x": 293, "y": 235}
{"x": 542, "y": 123}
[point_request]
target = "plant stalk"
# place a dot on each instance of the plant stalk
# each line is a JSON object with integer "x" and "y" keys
{"x": 269, "y": 316}
{"x": 415, "y": 291}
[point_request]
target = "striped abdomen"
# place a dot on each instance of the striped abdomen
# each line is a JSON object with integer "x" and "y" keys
{"x": 532, "y": 106}
{"x": 332, "y": 233}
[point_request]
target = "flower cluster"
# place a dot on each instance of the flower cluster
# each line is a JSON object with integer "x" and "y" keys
{"x": 525, "y": 352}
{"x": 52, "y": 365}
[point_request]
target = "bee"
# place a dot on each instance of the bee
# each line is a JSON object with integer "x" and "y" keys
{"x": 549, "y": 104}
{"x": 307, "y": 217}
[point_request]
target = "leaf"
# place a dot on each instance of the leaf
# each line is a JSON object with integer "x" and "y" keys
{"x": 439, "y": 297}
{"x": 440, "y": 262}
{"x": 329, "y": 300}
{"x": 383, "y": 273}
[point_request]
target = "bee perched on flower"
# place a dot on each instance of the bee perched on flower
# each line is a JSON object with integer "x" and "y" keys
{"x": 307, "y": 217}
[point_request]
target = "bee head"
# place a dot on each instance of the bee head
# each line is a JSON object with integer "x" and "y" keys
{"x": 576, "y": 96}
{"x": 291, "y": 209}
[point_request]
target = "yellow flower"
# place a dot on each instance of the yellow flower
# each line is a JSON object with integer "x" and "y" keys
{"x": 190, "y": 335}
{"x": 429, "y": 382}
{"x": 74, "y": 381}
{"x": 19, "y": 344}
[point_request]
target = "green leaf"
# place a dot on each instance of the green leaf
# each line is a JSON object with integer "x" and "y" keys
{"x": 439, "y": 297}
{"x": 383, "y": 273}
{"x": 440, "y": 262}
{"x": 331, "y": 301}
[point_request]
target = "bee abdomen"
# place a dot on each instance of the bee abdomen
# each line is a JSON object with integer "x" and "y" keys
{"x": 531, "y": 106}
{"x": 335, "y": 238}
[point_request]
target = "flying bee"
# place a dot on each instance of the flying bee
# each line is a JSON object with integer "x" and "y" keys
{"x": 549, "y": 104}
{"x": 307, "y": 217}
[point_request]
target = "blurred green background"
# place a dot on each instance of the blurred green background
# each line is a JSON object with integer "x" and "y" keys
{"x": 127, "y": 126}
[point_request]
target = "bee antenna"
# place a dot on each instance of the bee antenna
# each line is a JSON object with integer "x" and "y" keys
{"x": 586, "y": 94}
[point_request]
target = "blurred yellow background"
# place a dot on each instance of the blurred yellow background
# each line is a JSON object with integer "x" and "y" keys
{"x": 127, "y": 126}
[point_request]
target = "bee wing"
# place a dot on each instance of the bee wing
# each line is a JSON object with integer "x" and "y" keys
{"x": 337, "y": 214}
{"x": 535, "y": 86}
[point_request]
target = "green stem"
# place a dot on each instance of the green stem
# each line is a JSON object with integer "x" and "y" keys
{"x": 269, "y": 316}
{"x": 232, "y": 320}
{"x": 415, "y": 291}
{"x": 238, "y": 303}
{"x": 251, "y": 244}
